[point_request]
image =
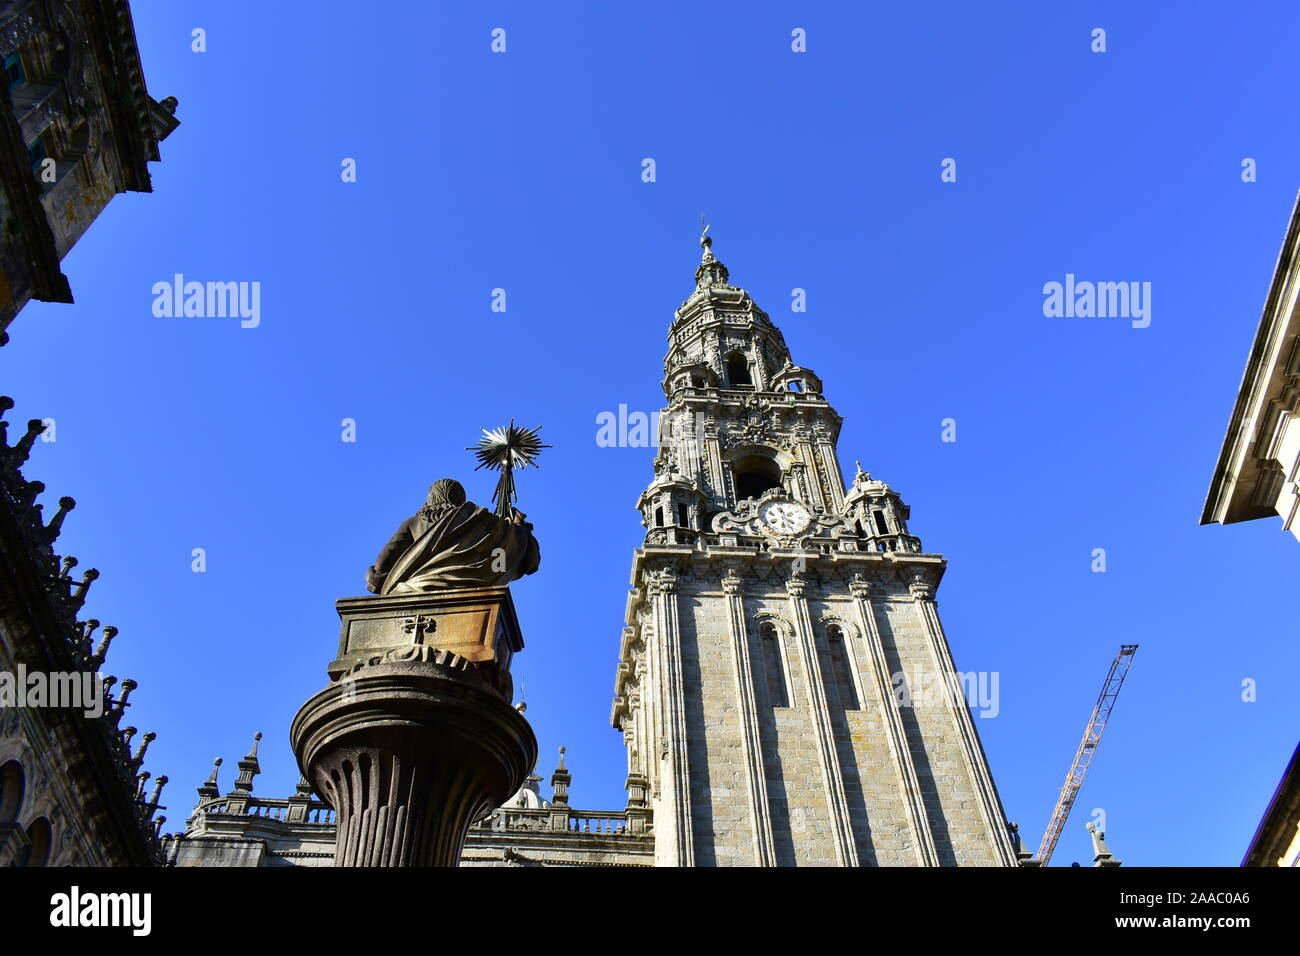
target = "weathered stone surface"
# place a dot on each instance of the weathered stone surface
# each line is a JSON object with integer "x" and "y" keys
{"x": 478, "y": 624}
{"x": 409, "y": 754}
{"x": 77, "y": 128}
{"x": 453, "y": 543}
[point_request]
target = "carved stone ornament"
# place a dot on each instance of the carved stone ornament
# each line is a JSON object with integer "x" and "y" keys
{"x": 415, "y": 652}
{"x": 663, "y": 581}
{"x": 761, "y": 426}
{"x": 787, "y": 523}
{"x": 922, "y": 586}
{"x": 732, "y": 583}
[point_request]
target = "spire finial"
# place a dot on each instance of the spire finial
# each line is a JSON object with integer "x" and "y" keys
{"x": 209, "y": 789}
{"x": 1103, "y": 856}
{"x": 249, "y": 768}
{"x": 710, "y": 271}
{"x": 560, "y": 781}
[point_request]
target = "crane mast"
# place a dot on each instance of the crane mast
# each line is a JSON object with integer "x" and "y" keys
{"x": 1087, "y": 749}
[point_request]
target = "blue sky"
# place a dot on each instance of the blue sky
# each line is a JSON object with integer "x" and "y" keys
{"x": 818, "y": 170}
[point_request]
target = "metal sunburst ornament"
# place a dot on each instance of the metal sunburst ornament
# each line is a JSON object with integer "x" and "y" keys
{"x": 505, "y": 449}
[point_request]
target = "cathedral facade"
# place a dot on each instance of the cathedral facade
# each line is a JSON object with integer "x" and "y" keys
{"x": 785, "y": 689}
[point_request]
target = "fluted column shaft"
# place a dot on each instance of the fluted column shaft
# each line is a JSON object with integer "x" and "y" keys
{"x": 410, "y": 755}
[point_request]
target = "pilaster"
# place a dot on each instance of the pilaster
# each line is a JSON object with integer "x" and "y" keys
{"x": 678, "y": 846}
{"x": 891, "y": 718}
{"x": 846, "y": 850}
{"x": 751, "y": 741}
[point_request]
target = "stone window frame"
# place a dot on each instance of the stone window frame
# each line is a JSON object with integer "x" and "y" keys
{"x": 784, "y": 633}
{"x": 851, "y": 637}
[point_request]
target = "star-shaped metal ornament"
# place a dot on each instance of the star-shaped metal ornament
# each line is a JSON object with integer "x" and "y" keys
{"x": 505, "y": 449}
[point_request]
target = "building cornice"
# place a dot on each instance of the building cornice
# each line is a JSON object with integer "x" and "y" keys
{"x": 1232, "y": 486}
{"x": 128, "y": 101}
{"x": 1277, "y": 828}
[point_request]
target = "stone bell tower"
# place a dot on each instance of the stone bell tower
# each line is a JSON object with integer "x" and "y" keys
{"x": 785, "y": 691}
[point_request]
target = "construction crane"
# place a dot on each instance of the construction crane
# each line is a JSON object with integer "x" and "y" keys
{"x": 1087, "y": 749}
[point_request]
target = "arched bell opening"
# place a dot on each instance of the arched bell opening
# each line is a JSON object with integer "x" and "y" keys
{"x": 755, "y": 474}
{"x": 738, "y": 375}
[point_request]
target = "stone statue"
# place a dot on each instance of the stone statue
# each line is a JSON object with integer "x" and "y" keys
{"x": 454, "y": 543}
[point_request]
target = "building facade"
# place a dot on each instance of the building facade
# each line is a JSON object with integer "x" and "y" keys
{"x": 77, "y": 127}
{"x": 1259, "y": 464}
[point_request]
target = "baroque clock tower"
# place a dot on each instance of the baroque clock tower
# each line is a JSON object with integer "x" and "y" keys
{"x": 785, "y": 690}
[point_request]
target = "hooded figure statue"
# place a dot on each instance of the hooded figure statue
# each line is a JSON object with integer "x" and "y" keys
{"x": 454, "y": 543}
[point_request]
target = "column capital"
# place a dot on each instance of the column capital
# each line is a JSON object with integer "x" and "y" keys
{"x": 860, "y": 587}
{"x": 796, "y": 585}
{"x": 732, "y": 583}
{"x": 663, "y": 581}
{"x": 922, "y": 586}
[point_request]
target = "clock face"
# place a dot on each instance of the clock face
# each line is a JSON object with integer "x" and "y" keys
{"x": 784, "y": 517}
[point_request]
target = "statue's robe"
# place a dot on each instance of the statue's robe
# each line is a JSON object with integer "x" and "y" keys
{"x": 460, "y": 547}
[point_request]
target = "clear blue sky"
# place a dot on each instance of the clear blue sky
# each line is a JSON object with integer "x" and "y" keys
{"x": 818, "y": 170}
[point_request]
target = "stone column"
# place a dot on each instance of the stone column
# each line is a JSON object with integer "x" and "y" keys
{"x": 678, "y": 848}
{"x": 412, "y": 742}
{"x": 807, "y": 462}
{"x": 830, "y": 466}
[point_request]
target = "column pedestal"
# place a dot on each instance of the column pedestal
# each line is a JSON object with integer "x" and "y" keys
{"x": 414, "y": 742}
